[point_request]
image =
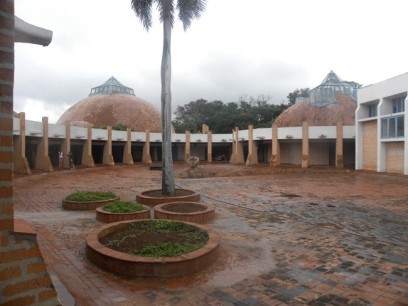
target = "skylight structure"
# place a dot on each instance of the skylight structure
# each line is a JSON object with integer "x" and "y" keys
{"x": 325, "y": 93}
{"x": 111, "y": 86}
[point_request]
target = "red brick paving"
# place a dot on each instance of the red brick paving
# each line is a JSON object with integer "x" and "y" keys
{"x": 289, "y": 237}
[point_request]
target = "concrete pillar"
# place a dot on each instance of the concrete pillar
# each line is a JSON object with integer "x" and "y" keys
{"x": 204, "y": 128}
{"x": 305, "y": 145}
{"x": 107, "y": 150}
{"x": 237, "y": 149}
{"x": 42, "y": 161}
{"x": 209, "y": 147}
{"x": 66, "y": 145}
{"x": 252, "y": 158}
{"x": 339, "y": 145}
{"x": 275, "y": 158}
{"x": 20, "y": 160}
{"x": 146, "y": 158}
{"x": 87, "y": 158}
{"x": 127, "y": 152}
{"x": 187, "y": 151}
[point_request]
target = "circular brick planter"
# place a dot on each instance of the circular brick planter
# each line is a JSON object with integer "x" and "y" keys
{"x": 139, "y": 266}
{"x": 75, "y": 205}
{"x": 109, "y": 217}
{"x": 153, "y": 197}
{"x": 185, "y": 211}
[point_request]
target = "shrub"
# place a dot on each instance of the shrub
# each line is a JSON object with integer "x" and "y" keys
{"x": 123, "y": 207}
{"x": 88, "y": 196}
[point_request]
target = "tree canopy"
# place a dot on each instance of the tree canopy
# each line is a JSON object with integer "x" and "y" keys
{"x": 302, "y": 92}
{"x": 223, "y": 117}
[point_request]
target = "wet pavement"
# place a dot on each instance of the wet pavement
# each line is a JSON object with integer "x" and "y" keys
{"x": 289, "y": 237}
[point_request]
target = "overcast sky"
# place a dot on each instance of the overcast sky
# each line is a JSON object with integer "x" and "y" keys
{"x": 237, "y": 47}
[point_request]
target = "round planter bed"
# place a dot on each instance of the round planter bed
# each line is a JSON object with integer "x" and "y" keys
{"x": 154, "y": 197}
{"x": 89, "y": 205}
{"x": 109, "y": 217}
{"x": 141, "y": 266}
{"x": 185, "y": 211}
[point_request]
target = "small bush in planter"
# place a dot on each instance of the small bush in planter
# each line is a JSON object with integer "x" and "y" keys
{"x": 123, "y": 207}
{"x": 89, "y": 196}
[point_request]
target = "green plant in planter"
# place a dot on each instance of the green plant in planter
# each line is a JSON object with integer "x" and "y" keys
{"x": 89, "y": 196}
{"x": 123, "y": 207}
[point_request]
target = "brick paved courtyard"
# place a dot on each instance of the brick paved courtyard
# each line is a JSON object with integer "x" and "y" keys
{"x": 289, "y": 237}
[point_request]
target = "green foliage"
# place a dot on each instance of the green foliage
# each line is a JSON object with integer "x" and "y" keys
{"x": 115, "y": 127}
{"x": 88, "y": 196}
{"x": 223, "y": 117}
{"x": 123, "y": 207}
{"x": 302, "y": 92}
{"x": 167, "y": 249}
{"x": 194, "y": 238}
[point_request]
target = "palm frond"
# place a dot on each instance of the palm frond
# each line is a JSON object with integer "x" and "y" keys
{"x": 166, "y": 10}
{"x": 143, "y": 10}
{"x": 190, "y": 9}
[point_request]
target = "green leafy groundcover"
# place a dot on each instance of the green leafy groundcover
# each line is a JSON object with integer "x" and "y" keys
{"x": 156, "y": 238}
{"x": 88, "y": 196}
{"x": 123, "y": 207}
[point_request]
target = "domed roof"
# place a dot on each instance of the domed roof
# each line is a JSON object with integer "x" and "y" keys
{"x": 342, "y": 110}
{"x": 112, "y": 103}
{"x": 330, "y": 102}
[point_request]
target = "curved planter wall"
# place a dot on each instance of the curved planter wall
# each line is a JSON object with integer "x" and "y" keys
{"x": 150, "y": 197}
{"x": 74, "y": 205}
{"x": 200, "y": 213}
{"x": 138, "y": 266}
{"x": 109, "y": 217}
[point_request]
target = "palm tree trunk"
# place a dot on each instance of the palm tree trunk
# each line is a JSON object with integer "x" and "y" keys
{"x": 167, "y": 159}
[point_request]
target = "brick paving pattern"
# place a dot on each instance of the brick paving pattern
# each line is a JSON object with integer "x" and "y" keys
{"x": 289, "y": 237}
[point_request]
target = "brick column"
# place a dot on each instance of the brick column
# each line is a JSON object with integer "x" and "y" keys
{"x": 107, "y": 150}
{"x": 66, "y": 145}
{"x": 43, "y": 161}
{"x": 20, "y": 160}
{"x": 127, "y": 152}
{"x": 146, "y": 158}
{"x": 187, "y": 151}
{"x": 339, "y": 145}
{"x": 21, "y": 265}
{"x": 87, "y": 158}
{"x": 305, "y": 145}
{"x": 209, "y": 147}
{"x": 275, "y": 158}
{"x": 6, "y": 114}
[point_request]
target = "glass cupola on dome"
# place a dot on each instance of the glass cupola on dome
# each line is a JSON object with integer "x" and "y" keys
{"x": 325, "y": 93}
{"x": 111, "y": 86}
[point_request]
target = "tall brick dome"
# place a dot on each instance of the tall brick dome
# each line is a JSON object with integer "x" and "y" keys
{"x": 332, "y": 101}
{"x": 113, "y": 103}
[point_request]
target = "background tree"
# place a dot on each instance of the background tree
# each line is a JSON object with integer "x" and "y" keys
{"x": 188, "y": 10}
{"x": 223, "y": 117}
{"x": 302, "y": 92}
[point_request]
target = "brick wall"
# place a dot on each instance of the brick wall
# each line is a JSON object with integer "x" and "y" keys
{"x": 23, "y": 276}
{"x": 370, "y": 145}
{"x": 24, "y": 279}
{"x": 395, "y": 157}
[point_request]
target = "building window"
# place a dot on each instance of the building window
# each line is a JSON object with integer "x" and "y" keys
{"x": 372, "y": 110}
{"x": 392, "y": 127}
{"x": 398, "y": 105}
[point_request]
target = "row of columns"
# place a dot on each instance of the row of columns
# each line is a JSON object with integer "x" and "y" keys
{"x": 43, "y": 161}
{"x": 275, "y": 157}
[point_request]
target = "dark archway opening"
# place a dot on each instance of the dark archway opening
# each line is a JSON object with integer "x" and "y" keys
{"x": 97, "y": 153}
{"x": 137, "y": 153}
{"x": 117, "y": 152}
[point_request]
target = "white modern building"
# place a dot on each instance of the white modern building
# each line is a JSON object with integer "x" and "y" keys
{"x": 381, "y": 126}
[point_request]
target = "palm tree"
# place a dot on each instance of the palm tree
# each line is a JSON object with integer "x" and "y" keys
{"x": 188, "y": 10}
